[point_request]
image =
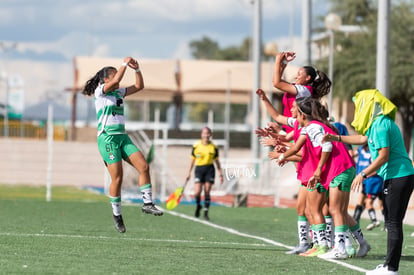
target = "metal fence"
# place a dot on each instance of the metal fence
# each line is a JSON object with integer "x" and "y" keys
{"x": 31, "y": 130}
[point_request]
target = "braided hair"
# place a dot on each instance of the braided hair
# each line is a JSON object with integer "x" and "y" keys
{"x": 321, "y": 83}
{"x": 97, "y": 79}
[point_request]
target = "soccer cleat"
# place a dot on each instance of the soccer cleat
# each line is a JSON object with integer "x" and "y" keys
{"x": 321, "y": 250}
{"x": 310, "y": 250}
{"x": 150, "y": 208}
{"x": 350, "y": 250}
{"x": 381, "y": 270}
{"x": 363, "y": 249}
{"x": 300, "y": 248}
{"x": 119, "y": 223}
{"x": 197, "y": 212}
{"x": 373, "y": 225}
{"x": 206, "y": 216}
{"x": 334, "y": 254}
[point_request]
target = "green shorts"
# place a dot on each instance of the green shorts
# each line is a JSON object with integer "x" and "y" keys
{"x": 319, "y": 187}
{"x": 114, "y": 148}
{"x": 344, "y": 180}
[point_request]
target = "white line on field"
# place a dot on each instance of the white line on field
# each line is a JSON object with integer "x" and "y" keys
{"x": 230, "y": 230}
{"x": 235, "y": 232}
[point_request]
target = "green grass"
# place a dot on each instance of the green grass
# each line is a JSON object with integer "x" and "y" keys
{"x": 74, "y": 234}
{"x": 39, "y": 193}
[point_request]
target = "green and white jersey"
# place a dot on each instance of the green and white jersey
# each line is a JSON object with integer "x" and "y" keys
{"x": 110, "y": 111}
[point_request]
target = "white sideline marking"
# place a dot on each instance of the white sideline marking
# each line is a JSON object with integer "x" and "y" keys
{"x": 230, "y": 230}
{"x": 235, "y": 232}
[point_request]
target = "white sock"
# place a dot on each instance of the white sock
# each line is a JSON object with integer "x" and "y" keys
{"x": 116, "y": 205}
{"x": 146, "y": 191}
{"x": 303, "y": 230}
{"x": 320, "y": 231}
{"x": 340, "y": 241}
{"x": 329, "y": 227}
{"x": 348, "y": 242}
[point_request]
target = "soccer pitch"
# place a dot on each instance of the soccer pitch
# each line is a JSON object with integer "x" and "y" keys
{"x": 74, "y": 234}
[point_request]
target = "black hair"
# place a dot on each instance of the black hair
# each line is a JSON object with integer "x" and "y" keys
{"x": 314, "y": 110}
{"x": 97, "y": 79}
{"x": 321, "y": 83}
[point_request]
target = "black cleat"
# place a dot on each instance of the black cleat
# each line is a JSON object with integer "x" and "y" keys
{"x": 197, "y": 212}
{"x": 119, "y": 223}
{"x": 151, "y": 209}
{"x": 206, "y": 216}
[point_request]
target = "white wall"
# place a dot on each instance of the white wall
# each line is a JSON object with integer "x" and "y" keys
{"x": 24, "y": 161}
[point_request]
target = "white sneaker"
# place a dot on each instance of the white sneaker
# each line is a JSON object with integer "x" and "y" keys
{"x": 381, "y": 270}
{"x": 373, "y": 225}
{"x": 334, "y": 254}
{"x": 363, "y": 249}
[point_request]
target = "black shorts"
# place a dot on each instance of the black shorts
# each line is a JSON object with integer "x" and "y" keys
{"x": 205, "y": 173}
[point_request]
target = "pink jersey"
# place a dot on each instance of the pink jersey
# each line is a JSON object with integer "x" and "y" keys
{"x": 296, "y": 130}
{"x": 338, "y": 161}
{"x": 296, "y": 135}
{"x": 288, "y": 100}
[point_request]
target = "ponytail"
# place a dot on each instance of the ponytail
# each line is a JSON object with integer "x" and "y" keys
{"x": 321, "y": 85}
{"x": 91, "y": 85}
{"x": 97, "y": 79}
{"x": 321, "y": 114}
{"x": 320, "y": 82}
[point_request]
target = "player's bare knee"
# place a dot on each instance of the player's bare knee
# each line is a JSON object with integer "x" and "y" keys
{"x": 117, "y": 180}
{"x": 143, "y": 168}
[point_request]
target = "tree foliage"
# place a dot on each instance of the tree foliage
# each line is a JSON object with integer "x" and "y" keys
{"x": 355, "y": 55}
{"x": 206, "y": 48}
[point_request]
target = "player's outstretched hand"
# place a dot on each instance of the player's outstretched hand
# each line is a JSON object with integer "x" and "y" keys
{"x": 268, "y": 141}
{"x": 133, "y": 64}
{"x": 329, "y": 137}
{"x": 280, "y": 149}
{"x": 261, "y": 94}
{"x": 289, "y": 56}
{"x": 261, "y": 132}
{"x": 274, "y": 127}
{"x": 273, "y": 154}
